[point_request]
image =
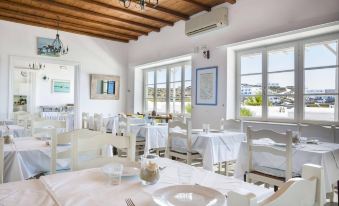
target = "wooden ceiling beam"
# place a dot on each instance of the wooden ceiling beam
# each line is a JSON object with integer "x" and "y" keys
{"x": 33, "y": 11}
{"x": 43, "y": 22}
{"x": 21, "y": 21}
{"x": 127, "y": 11}
{"x": 166, "y": 10}
{"x": 71, "y": 9}
{"x": 18, "y": 3}
{"x": 197, "y": 3}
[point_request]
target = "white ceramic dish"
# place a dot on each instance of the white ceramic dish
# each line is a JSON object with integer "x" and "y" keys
{"x": 127, "y": 172}
{"x": 188, "y": 195}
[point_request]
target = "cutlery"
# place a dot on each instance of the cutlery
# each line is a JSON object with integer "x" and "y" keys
{"x": 129, "y": 202}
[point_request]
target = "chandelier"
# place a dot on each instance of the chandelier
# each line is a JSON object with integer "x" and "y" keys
{"x": 36, "y": 66}
{"x": 57, "y": 48}
{"x": 140, "y": 3}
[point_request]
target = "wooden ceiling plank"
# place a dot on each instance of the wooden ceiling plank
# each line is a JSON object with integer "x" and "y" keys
{"x": 93, "y": 13}
{"x": 231, "y": 1}
{"x": 17, "y": 20}
{"x": 52, "y": 22}
{"x": 127, "y": 11}
{"x": 166, "y": 10}
{"x": 201, "y": 5}
{"x": 39, "y": 11}
{"x": 14, "y": 2}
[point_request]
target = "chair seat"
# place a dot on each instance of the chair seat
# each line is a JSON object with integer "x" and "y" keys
{"x": 183, "y": 151}
{"x": 272, "y": 172}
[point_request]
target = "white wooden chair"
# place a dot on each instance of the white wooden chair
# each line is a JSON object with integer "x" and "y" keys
{"x": 1, "y": 160}
{"x": 269, "y": 176}
{"x": 91, "y": 150}
{"x": 59, "y": 125}
{"x": 23, "y": 119}
{"x": 177, "y": 129}
{"x": 98, "y": 122}
{"x": 305, "y": 191}
{"x": 319, "y": 132}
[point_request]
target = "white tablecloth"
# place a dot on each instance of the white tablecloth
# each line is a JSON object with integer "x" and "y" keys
{"x": 89, "y": 187}
{"x": 214, "y": 147}
{"x": 28, "y": 157}
{"x": 155, "y": 136}
{"x": 24, "y": 193}
{"x": 15, "y": 130}
{"x": 324, "y": 154}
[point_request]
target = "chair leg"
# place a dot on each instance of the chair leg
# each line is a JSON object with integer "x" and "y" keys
{"x": 219, "y": 167}
{"x": 226, "y": 168}
{"x": 338, "y": 190}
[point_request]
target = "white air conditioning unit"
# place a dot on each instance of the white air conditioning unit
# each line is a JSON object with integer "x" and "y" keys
{"x": 210, "y": 21}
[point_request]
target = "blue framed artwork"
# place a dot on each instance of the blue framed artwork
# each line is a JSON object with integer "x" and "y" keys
{"x": 206, "y": 92}
{"x": 61, "y": 86}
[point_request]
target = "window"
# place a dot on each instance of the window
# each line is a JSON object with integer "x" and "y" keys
{"x": 167, "y": 89}
{"x": 297, "y": 81}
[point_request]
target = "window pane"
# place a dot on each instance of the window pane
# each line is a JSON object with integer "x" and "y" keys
{"x": 281, "y": 107}
{"x": 161, "y": 91}
{"x": 320, "y": 107}
{"x": 251, "y": 106}
{"x": 188, "y": 105}
{"x": 161, "y": 75}
{"x": 251, "y": 64}
{"x": 161, "y": 105}
{"x": 188, "y": 89}
{"x": 149, "y": 91}
{"x": 188, "y": 72}
{"x": 251, "y": 85}
{"x": 175, "y": 90}
{"x": 321, "y": 54}
{"x": 320, "y": 81}
{"x": 280, "y": 60}
{"x": 150, "y": 77}
{"x": 281, "y": 83}
{"x": 149, "y": 105}
{"x": 175, "y": 106}
{"x": 175, "y": 74}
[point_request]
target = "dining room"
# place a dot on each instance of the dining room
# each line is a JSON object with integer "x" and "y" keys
{"x": 169, "y": 102}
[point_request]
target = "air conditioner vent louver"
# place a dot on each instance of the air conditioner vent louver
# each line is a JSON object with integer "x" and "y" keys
{"x": 213, "y": 20}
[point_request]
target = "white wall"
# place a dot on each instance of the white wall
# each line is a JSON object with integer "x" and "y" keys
{"x": 95, "y": 56}
{"x": 248, "y": 19}
{"x": 44, "y": 94}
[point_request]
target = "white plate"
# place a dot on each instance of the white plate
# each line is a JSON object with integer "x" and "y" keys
{"x": 188, "y": 195}
{"x": 130, "y": 172}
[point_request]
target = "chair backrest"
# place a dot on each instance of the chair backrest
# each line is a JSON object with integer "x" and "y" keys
{"x": 178, "y": 129}
{"x": 305, "y": 191}
{"x": 322, "y": 133}
{"x": 233, "y": 125}
{"x": 98, "y": 122}
{"x": 22, "y": 118}
{"x": 85, "y": 120}
{"x": 279, "y": 138}
{"x": 1, "y": 160}
{"x": 43, "y": 124}
{"x": 84, "y": 148}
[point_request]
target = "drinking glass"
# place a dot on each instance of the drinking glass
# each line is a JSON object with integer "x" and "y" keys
{"x": 115, "y": 173}
{"x": 185, "y": 175}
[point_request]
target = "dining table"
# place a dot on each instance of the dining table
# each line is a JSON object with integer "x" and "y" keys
{"x": 90, "y": 187}
{"x": 214, "y": 146}
{"x": 313, "y": 152}
{"x": 15, "y": 130}
{"x": 26, "y": 157}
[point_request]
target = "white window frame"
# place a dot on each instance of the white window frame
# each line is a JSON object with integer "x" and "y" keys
{"x": 168, "y": 70}
{"x": 298, "y": 79}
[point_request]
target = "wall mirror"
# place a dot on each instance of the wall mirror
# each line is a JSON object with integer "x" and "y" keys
{"x": 105, "y": 87}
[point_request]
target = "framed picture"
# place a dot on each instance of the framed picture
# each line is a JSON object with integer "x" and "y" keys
{"x": 206, "y": 86}
{"x": 105, "y": 87}
{"x": 44, "y": 47}
{"x": 61, "y": 86}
